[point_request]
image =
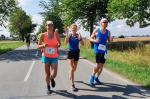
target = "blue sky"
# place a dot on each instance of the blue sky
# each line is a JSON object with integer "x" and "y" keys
{"x": 117, "y": 27}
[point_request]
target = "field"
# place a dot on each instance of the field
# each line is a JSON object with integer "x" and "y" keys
{"x": 131, "y": 39}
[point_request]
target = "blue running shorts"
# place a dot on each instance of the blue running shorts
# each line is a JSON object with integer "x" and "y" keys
{"x": 49, "y": 60}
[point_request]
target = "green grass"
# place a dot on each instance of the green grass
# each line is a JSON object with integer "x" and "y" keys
{"x": 135, "y": 73}
{"x": 63, "y": 45}
{"x": 132, "y": 64}
{"x": 87, "y": 53}
{"x": 8, "y": 46}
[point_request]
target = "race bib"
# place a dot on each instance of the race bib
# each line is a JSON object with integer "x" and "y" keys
{"x": 102, "y": 47}
{"x": 50, "y": 50}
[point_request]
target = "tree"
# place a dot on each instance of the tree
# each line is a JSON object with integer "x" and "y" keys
{"x": 6, "y": 7}
{"x": 131, "y": 10}
{"x": 84, "y": 10}
{"x": 20, "y": 23}
{"x": 51, "y": 13}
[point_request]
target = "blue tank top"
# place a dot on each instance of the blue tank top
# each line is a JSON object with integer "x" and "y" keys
{"x": 73, "y": 43}
{"x": 100, "y": 47}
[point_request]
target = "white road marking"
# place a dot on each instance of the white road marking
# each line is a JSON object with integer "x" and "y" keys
{"x": 29, "y": 71}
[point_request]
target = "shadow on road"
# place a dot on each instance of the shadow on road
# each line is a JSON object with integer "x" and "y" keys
{"x": 63, "y": 93}
{"x": 98, "y": 97}
{"x": 25, "y": 55}
{"x": 127, "y": 90}
{"x": 18, "y": 55}
{"x": 67, "y": 95}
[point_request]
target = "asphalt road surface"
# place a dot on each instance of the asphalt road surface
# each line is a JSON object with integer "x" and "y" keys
{"x": 22, "y": 77}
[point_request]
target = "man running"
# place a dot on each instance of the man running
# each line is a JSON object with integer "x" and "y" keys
{"x": 99, "y": 37}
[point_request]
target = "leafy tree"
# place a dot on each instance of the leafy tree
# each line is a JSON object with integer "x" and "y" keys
{"x": 87, "y": 11}
{"x": 51, "y": 13}
{"x": 20, "y": 23}
{"x": 84, "y": 10}
{"x": 6, "y": 7}
{"x": 131, "y": 10}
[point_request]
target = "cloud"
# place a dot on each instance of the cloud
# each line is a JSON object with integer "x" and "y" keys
{"x": 119, "y": 27}
{"x": 4, "y": 31}
{"x": 36, "y": 18}
{"x": 24, "y": 3}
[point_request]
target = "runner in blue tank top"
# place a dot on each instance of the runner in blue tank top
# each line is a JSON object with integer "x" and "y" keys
{"x": 100, "y": 47}
{"x": 73, "y": 55}
{"x": 73, "y": 43}
{"x": 99, "y": 37}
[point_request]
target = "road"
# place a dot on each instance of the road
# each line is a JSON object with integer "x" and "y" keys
{"x": 22, "y": 77}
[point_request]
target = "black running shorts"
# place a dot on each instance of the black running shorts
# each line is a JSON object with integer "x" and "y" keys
{"x": 99, "y": 57}
{"x": 74, "y": 55}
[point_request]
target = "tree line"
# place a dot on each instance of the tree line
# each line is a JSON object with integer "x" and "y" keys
{"x": 65, "y": 12}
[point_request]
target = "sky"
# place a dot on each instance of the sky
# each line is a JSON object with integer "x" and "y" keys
{"x": 117, "y": 27}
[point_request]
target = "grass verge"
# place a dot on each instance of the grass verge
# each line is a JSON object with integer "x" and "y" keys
{"x": 9, "y": 46}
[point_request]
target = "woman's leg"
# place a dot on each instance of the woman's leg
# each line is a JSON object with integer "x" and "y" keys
{"x": 47, "y": 73}
{"x": 71, "y": 71}
{"x": 53, "y": 70}
{"x": 73, "y": 66}
{"x": 53, "y": 74}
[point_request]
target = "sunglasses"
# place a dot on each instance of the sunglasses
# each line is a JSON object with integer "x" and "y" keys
{"x": 49, "y": 24}
{"x": 104, "y": 22}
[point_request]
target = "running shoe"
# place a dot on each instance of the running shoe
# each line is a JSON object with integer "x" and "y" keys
{"x": 49, "y": 91}
{"x": 91, "y": 81}
{"x": 53, "y": 83}
{"x": 73, "y": 88}
{"x": 97, "y": 81}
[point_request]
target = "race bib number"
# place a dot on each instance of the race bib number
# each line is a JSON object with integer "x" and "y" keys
{"x": 50, "y": 50}
{"x": 102, "y": 47}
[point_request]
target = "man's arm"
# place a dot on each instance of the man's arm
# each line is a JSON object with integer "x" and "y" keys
{"x": 109, "y": 37}
{"x": 92, "y": 38}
